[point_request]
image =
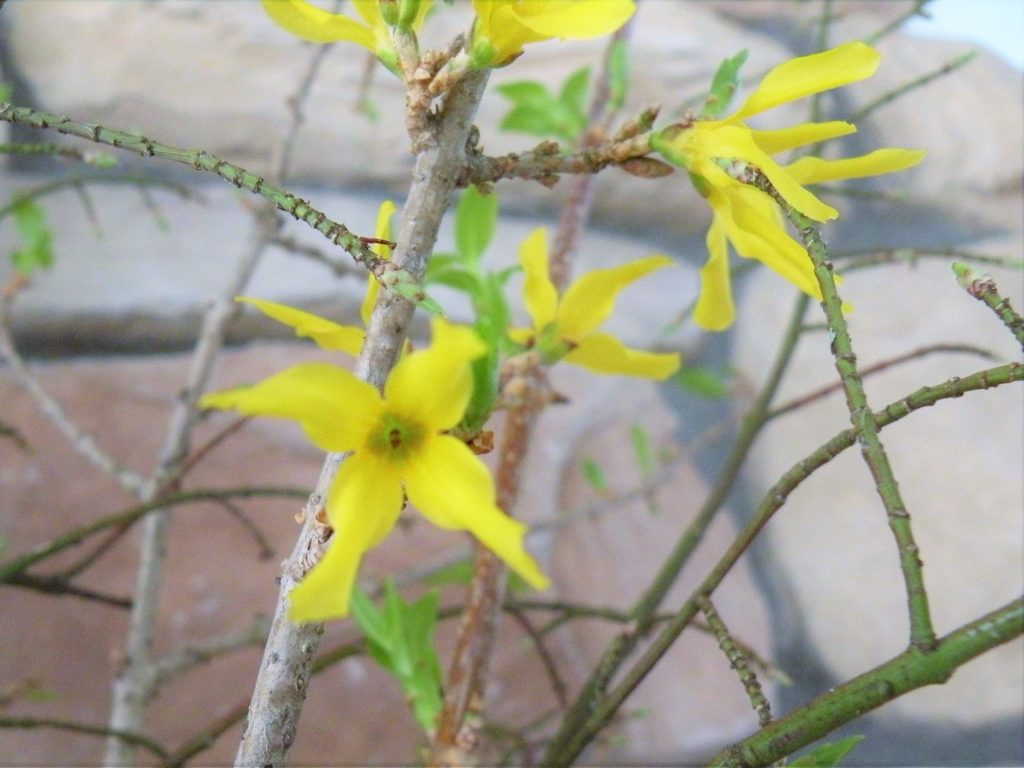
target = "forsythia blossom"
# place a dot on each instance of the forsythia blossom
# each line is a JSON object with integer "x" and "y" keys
{"x": 746, "y": 216}
{"x": 566, "y": 328}
{"x": 399, "y": 449}
{"x": 503, "y": 27}
{"x": 305, "y": 20}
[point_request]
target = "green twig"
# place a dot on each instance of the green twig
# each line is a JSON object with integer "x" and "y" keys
{"x": 916, "y": 10}
{"x": 201, "y": 160}
{"x": 917, "y": 82}
{"x": 737, "y": 661}
{"x": 981, "y": 286}
{"x": 101, "y": 159}
{"x": 910, "y": 670}
{"x": 922, "y": 633}
{"x": 874, "y": 257}
{"x": 571, "y": 738}
{"x": 136, "y": 739}
{"x": 603, "y": 711}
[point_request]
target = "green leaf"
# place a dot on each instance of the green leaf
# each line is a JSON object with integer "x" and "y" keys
{"x": 594, "y": 475}
{"x": 525, "y": 92}
{"x": 538, "y": 112}
{"x": 475, "y": 219}
{"x": 642, "y": 449}
{"x": 618, "y": 74}
{"x": 827, "y": 755}
{"x": 573, "y": 95}
{"x": 460, "y": 572}
{"x": 5, "y": 91}
{"x": 457, "y": 278}
{"x": 705, "y": 382}
{"x": 30, "y": 222}
{"x": 724, "y": 85}
{"x": 400, "y": 636}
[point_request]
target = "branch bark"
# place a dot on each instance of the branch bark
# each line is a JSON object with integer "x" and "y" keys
{"x": 280, "y": 691}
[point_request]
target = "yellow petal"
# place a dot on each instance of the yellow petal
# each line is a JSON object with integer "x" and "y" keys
{"x": 715, "y": 310}
{"x": 454, "y": 490}
{"x": 604, "y": 353}
{"x": 590, "y": 300}
{"x": 807, "y": 75}
{"x": 326, "y": 333}
{"x": 521, "y": 335}
{"x": 752, "y": 223}
{"x": 813, "y": 170}
{"x": 382, "y": 232}
{"x": 573, "y": 19}
{"x": 311, "y": 23}
{"x": 363, "y": 505}
{"x": 325, "y": 591}
{"x": 736, "y": 142}
{"x": 775, "y": 141}
{"x": 335, "y": 408}
{"x": 539, "y": 292}
{"x": 432, "y": 387}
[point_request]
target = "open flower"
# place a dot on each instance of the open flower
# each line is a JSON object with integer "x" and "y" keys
{"x": 305, "y": 20}
{"x": 747, "y": 217}
{"x": 503, "y": 27}
{"x": 398, "y": 445}
{"x": 566, "y": 329}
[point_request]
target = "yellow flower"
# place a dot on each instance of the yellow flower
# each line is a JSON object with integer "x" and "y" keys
{"x": 503, "y": 27}
{"x": 747, "y": 217}
{"x": 305, "y": 20}
{"x": 566, "y": 328}
{"x": 398, "y": 444}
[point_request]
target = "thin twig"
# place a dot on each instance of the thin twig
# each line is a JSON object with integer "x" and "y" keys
{"x": 201, "y": 160}
{"x": 60, "y": 586}
{"x": 174, "y": 664}
{"x": 604, "y": 709}
{"x": 737, "y": 661}
{"x": 931, "y": 349}
{"x": 82, "y": 441}
{"x": 922, "y": 633}
{"x": 982, "y": 287}
{"x": 918, "y": 82}
{"x": 131, "y": 737}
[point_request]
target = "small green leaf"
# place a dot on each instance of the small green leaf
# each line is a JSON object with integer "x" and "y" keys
{"x": 457, "y": 278}
{"x": 594, "y": 475}
{"x": 705, "y": 382}
{"x": 30, "y": 221}
{"x": 475, "y": 219}
{"x": 724, "y": 85}
{"x": 618, "y": 74}
{"x": 41, "y": 694}
{"x": 400, "y": 636}
{"x": 460, "y": 572}
{"x": 526, "y": 92}
{"x": 827, "y": 755}
{"x": 642, "y": 449}
{"x": 573, "y": 95}
{"x": 5, "y": 91}
{"x": 533, "y": 121}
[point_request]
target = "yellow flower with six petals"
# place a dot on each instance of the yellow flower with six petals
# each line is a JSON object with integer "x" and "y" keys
{"x": 747, "y": 217}
{"x": 503, "y": 27}
{"x": 400, "y": 450}
{"x": 566, "y": 328}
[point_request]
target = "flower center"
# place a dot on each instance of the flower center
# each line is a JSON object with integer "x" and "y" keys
{"x": 395, "y": 437}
